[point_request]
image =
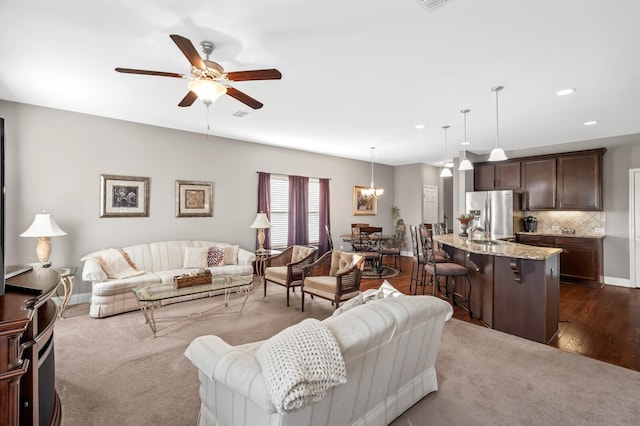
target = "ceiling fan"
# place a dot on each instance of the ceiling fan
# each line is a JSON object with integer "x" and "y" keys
{"x": 208, "y": 79}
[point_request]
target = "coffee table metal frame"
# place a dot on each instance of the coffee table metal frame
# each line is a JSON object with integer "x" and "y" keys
{"x": 150, "y": 297}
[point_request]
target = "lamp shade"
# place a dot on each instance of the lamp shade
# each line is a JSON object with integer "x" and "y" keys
{"x": 261, "y": 221}
{"x": 497, "y": 154}
{"x": 446, "y": 172}
{"x": 465, "y": 165}
{"x": 43, "y": 226}
{"x": 207, "y": 90}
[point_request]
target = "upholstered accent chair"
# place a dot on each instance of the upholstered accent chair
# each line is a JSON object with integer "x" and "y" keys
{"x": 286, "y": 269}
{"x": 335, "y": 276}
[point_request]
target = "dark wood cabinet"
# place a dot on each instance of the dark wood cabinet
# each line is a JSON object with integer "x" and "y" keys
{"x": 503, "y": 175}
{"x": 567, "y": 181}
{"x": 581, "y": 260}
{"x": 539, "y": 184}
{"x": 27, "y": 365}
{"x": 580, "y": 181}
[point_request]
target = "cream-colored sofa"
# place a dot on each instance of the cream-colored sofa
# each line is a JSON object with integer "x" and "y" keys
{"x": 115, "y": 272}
{"x": 389, "y": 348}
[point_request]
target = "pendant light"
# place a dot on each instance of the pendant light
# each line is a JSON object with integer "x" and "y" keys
{"x": 372, "y": 191}
{"x": 445, "y": 170}
{"x": 465, "y": 164}
{"x": 497, "y": 154}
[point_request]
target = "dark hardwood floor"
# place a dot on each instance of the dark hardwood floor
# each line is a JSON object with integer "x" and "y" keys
{"x": 600, "y": 323}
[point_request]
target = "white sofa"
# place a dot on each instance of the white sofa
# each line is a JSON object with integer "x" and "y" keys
{"x": 389, "y": 348}
{"x": 160, "y": 262}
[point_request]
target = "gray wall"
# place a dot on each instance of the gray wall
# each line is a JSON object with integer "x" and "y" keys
{"x": 54, "y": 160}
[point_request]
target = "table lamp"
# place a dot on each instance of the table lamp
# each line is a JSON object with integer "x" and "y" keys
{"x": 42, "y": 228}
{"x": 261, "y": 223}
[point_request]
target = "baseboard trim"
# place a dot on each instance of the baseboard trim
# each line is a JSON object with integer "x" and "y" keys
{"x": 620, "y": 282}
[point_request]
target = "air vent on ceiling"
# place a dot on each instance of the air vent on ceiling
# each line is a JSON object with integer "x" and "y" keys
{"x": 431, "y": 5}
{"x": 240, "y": 113}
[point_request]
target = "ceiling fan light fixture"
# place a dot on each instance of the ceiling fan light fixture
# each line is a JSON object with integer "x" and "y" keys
{"x": 207, "y": 90}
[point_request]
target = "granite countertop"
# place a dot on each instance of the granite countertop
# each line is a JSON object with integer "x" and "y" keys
{"x": 560, "y": 234}
{"x": 501, "y": 248}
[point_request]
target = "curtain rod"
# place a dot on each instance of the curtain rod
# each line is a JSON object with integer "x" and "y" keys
{"x": 283, "y": 174}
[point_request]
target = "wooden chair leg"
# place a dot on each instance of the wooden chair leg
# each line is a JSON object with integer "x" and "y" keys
{"x": 302, "y": 300}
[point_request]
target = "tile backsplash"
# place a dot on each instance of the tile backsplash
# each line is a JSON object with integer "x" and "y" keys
{"x": 582, "y": 222}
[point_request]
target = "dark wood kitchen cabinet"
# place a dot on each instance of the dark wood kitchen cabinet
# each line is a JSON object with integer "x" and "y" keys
{"x": 581, "y": 260}
{"x": 539, "y": 184}
{"x": 503, "y": 175}
{"x": 580, "y": 181}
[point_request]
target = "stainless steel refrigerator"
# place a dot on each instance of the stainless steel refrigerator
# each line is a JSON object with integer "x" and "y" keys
{"x": 498, "y": 212}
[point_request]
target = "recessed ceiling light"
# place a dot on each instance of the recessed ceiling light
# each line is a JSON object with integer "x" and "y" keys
{"x": 565, "y": 92}
{"x": 465, "y": 143}
{"x": 590, "y": 123}
{"x": 419, "y": 126}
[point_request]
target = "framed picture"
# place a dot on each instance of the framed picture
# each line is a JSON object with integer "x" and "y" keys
{"x": 194, "y": 199}
{"x": 124, "y": 196}
{"x": 363, "y": 206}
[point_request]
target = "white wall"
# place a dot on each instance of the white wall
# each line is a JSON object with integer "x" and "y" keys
{"x": 54, "y": 160}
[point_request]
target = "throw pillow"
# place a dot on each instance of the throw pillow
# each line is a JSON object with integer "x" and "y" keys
{"x": 195, "y": 257}
{"x": 231, "y": 255}
{"x": 215, "y": 256}
{"x": 117, "y": 264}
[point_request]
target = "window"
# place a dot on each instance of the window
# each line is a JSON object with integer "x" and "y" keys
{"x": 280, "y": 210}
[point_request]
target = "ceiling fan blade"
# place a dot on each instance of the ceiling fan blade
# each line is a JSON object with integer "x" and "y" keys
{"x": 189, "y": 99}
{"x": 243, "y": 97}
{"x": 187, "y": 48}
{"x": 145, "y": 72}
{"x": 270, "y": 74}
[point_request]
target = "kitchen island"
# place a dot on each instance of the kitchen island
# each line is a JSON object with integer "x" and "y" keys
{"x": 515, "y": 287}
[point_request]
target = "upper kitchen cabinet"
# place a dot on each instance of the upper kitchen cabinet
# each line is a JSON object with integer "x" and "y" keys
{"x": 580, "y": 180}
{"x": 503, "y": 175}
{"x": 539, "y": 184}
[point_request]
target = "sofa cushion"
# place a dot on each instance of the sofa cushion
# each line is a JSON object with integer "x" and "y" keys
{"x": 116, "y": 263}
{"x": 195, "y": 257}
{"x": 124, "y": 285}
{"x": 277, "y": 274}
{"x": 325, "y": 286}
{"x": 215, "y": 256}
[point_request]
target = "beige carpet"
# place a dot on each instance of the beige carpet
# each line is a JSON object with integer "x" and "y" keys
{"x": 111, "y": 372}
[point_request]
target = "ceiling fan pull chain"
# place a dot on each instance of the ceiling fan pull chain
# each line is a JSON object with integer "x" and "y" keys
{"x": 208, "y": 104}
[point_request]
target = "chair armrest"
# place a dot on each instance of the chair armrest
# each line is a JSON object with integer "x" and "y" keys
{"x": 281, "y": 259}
{"x": 245, "y": 257}
{"x": 231, "y": 366}
{"x": 92, "y": 271}
{"x": 320, "y": 267}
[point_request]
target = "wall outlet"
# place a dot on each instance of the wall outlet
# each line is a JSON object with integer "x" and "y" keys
{"x": 555, "y": 228}
{"x": 599, "y": 230}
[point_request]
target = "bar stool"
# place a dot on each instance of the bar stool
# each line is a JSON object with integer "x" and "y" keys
{"x": 448, "y": 270}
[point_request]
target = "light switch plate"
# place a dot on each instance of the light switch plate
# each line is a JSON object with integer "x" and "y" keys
{"x": 599, "y": 230}
{"x": 555, "y": 228}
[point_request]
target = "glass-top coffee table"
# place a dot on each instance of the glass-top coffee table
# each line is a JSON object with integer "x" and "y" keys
{"x": 152, "y": 296}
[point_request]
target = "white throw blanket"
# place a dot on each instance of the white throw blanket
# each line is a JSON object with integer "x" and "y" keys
{"x": 300, "y": 364}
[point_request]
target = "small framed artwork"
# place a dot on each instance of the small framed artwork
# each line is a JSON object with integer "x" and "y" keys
{"x": 194, "y": 199}
{"x": 124, "y": 196}
{"x": 363, "y": 205}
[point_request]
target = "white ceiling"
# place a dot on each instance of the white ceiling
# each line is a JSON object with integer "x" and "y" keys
{"x": 355, "y": 73}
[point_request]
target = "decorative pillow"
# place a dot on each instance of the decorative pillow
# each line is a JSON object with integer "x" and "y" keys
{"x": 195, "y": 257}
{"x": 385, "y": 290}
{"x": 215, "y": 256}
{"x": 231, "y": 255}
{"x": 116, "y": 263}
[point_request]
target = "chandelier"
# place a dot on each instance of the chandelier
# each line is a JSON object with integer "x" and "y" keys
{"x": 372, "y": 191}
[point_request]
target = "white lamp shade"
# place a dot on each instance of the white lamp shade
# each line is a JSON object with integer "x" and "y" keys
{"x": 446, "y": 172}
{"x": 465, "y": 165}
{"x": 43, "y": 226}
{"x": 261, "y": 221}
{"x": 207, "y": 90}
{"x": 497, "y": 154}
